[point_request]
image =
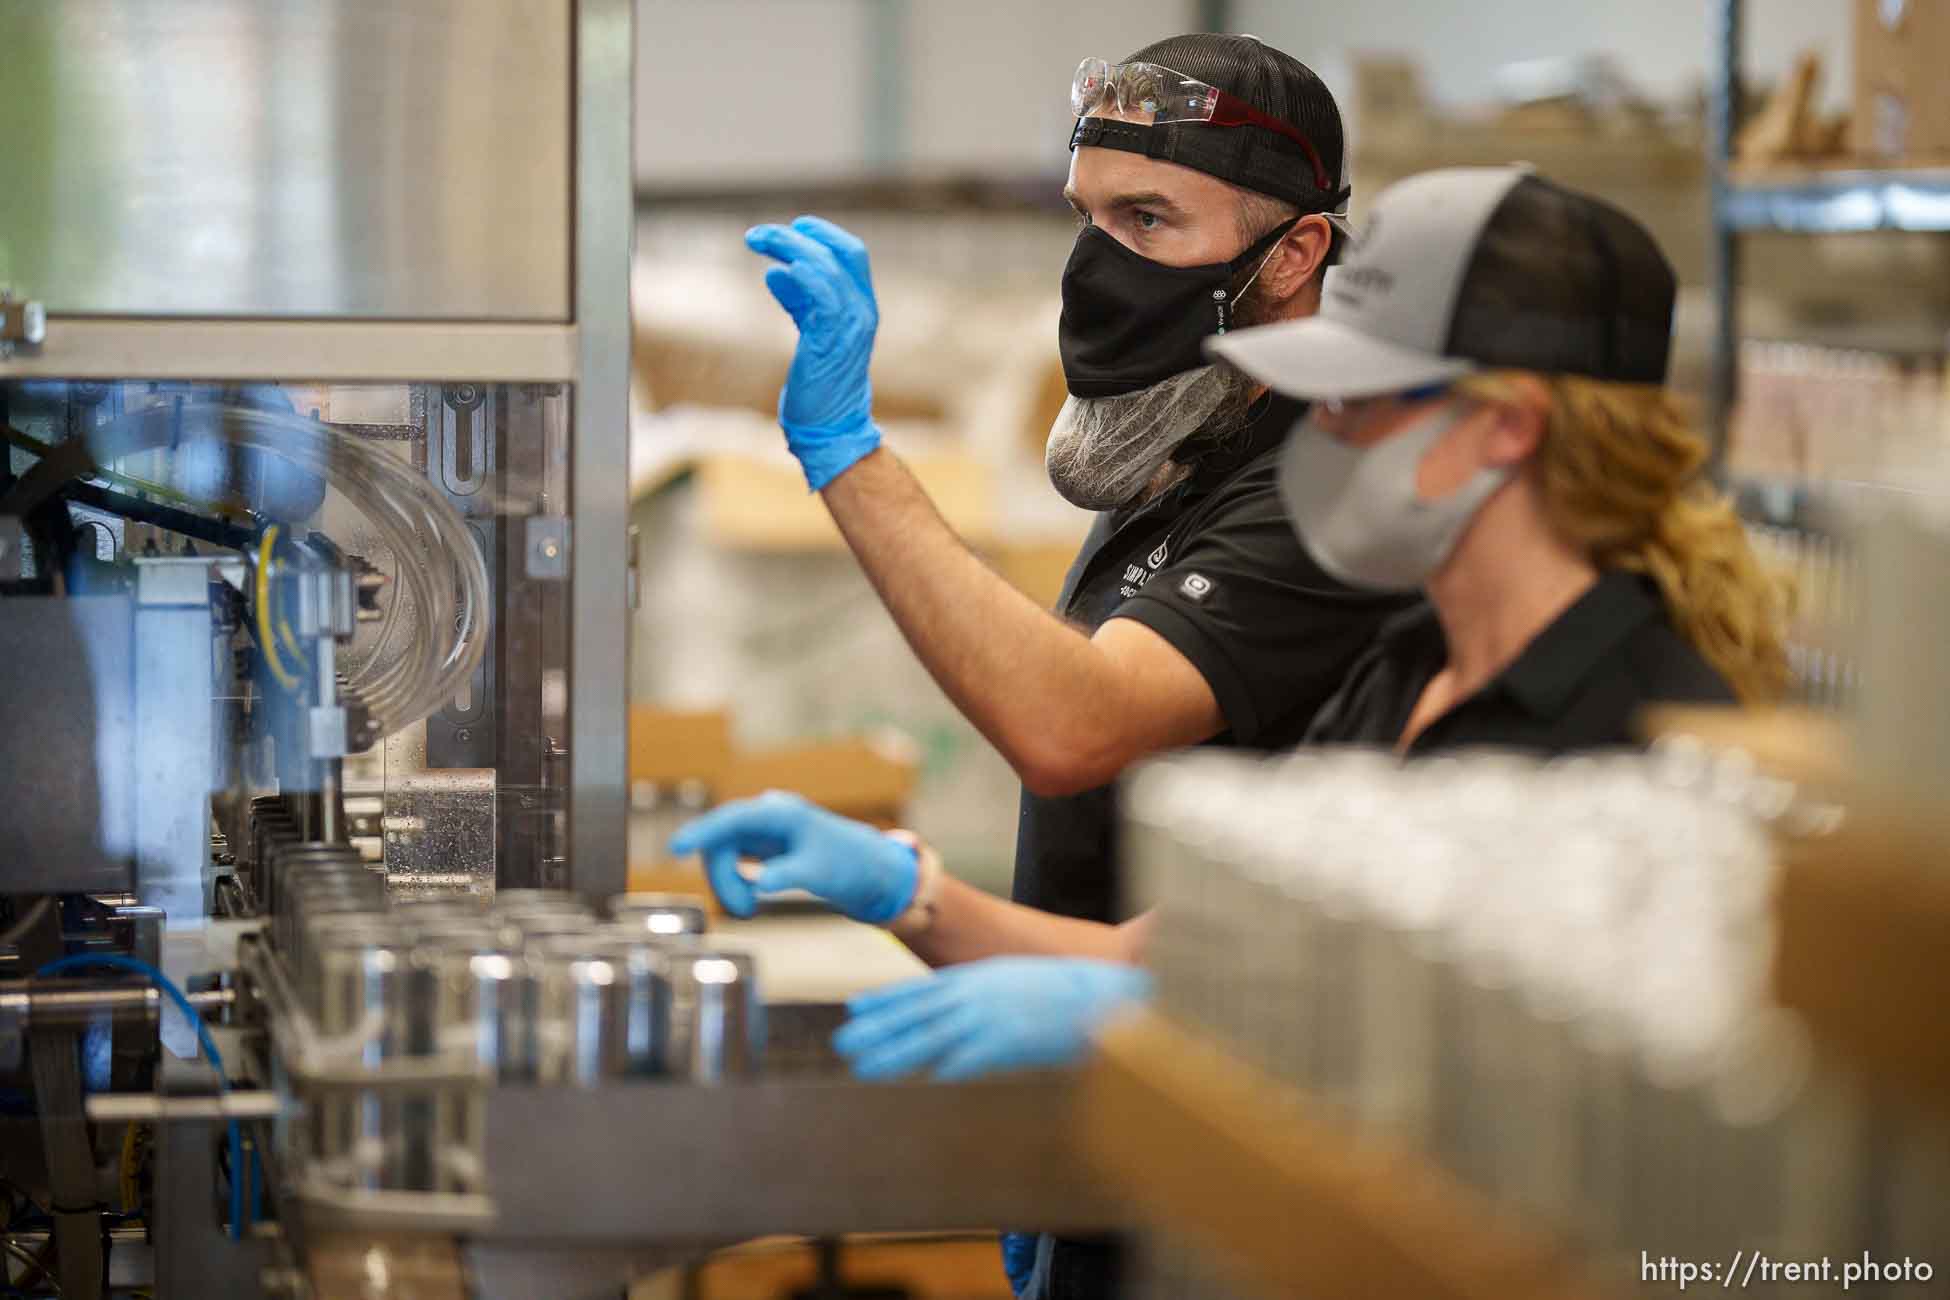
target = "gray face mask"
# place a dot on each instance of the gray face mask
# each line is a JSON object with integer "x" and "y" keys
{"x": 1356, "y": 510}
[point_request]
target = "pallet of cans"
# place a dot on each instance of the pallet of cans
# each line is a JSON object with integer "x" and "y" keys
{"x": 1551, "y": 978}
{"x": 392, "y": 1018}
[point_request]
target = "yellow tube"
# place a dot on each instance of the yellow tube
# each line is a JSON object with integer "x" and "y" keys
{"x": 266, "y": 641}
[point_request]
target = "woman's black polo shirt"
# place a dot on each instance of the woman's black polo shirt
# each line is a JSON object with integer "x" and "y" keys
{"x": 1214, "y": 567}
{"x": 1579, "y": 684}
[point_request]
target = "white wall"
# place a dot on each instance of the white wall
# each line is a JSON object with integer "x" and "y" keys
{"x": 757, "y": 91}
{"x": 751, "y": 91}
{"x": 1018, "y": 56}
{"x": 754, "y": 91}
{"x": 1663, "y": 45}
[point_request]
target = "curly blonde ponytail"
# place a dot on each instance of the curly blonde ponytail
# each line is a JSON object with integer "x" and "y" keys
{"x": 1618, "y": 470}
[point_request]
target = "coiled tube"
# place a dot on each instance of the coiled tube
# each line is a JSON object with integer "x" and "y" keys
{"x": 440, "y": 569}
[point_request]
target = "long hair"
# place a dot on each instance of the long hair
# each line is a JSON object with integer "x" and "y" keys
{"x": 1618, "y": 471}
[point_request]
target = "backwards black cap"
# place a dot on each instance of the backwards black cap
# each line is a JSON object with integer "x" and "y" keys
{"x": 1250, "y": 156}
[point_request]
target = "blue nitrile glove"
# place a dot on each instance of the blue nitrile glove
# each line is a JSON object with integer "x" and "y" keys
{"x": 1018, "y": 1259}
{"x": 1006, "y": 1013}
{"x": 856, "y": 868}
{"x": 826, "y": 408}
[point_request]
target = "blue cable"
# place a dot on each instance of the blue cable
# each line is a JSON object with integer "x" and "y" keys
{"x": 167, "y": 987}
{"x": 162, "y": 982}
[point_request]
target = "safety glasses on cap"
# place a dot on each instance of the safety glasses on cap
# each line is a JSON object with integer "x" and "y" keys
{"x": 1153, "y": 95}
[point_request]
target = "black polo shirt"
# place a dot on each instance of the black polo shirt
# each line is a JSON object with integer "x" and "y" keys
{"x": 1213, "y": 566}
{"x": 1579, "y": 684}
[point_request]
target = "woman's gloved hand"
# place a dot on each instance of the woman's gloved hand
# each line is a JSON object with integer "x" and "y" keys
{"x": 862, "y": 872}
{"x": 1019, "y": 1259}
{"x": 1006, "y": 1013}
{"x": 823, "y": 282}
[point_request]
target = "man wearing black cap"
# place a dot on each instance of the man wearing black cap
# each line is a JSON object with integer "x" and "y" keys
{"x": 1207, "y": 174}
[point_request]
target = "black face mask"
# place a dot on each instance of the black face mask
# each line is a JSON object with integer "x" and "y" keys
{"x": 1129, "y": 322}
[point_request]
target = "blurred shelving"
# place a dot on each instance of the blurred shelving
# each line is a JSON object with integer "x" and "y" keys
{"x": 1792, "y": 200}
{"x": 1828, "y": 201}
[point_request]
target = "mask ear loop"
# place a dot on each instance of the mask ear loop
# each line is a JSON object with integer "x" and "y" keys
{"x": 1232, "y": 302}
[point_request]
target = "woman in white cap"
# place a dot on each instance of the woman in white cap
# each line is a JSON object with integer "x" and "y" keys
{"x": 1489, "y": 426}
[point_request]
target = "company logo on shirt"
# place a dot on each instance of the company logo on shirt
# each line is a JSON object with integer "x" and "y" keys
{"x": 1136, "y": 575}
{"x": 1196, "y": 587}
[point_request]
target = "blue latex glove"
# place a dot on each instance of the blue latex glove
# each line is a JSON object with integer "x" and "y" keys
{"x": 1006, "y": 1013}
{"x": 826, "y": 408}
{"x": 856, "y": 868}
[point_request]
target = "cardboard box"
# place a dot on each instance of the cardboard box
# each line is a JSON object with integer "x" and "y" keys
{"x": 867, "y": 778}
{"x": 651, "y": 875}
{"x": 763, "y": 505}
{"x": 1902, "y": 94}
{"x": 672, "y": 746}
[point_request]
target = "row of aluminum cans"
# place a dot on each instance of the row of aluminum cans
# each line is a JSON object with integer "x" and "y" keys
{"x": 532, "y": 987}
{"x": 1551, "y": 978}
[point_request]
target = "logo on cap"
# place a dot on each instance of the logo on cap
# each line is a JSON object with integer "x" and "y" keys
{"x": 1365, "y": 277}
{"x": 1364, "y": 236}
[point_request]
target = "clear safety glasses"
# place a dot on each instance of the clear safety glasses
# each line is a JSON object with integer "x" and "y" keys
{"x": 1153, "y": 95}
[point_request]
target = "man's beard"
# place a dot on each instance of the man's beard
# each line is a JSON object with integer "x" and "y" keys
{"x": 1104, "y": 451}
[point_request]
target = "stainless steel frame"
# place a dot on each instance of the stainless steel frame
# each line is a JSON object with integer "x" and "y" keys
{"x": 688, "y": 1166}
{"x": 600, "y": 618}
{"x": 326, "y": 351}
{"x": 817, "y": 1157}
{"x": 290, "y": 158}
{"x": 175, "y": 739}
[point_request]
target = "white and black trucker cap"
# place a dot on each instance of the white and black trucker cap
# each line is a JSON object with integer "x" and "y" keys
{"x": 1474, "y": 268}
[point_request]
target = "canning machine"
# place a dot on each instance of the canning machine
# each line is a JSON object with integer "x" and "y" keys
{"x": 314, "y": 590}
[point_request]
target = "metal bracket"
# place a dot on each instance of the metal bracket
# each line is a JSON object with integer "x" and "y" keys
{"x": 439, "y": 828}
{"x": 548, "y": 547}
{"x": 177, "y": 580}
{"x": 22, "y": 322}
{"x": 366, "y": 588}
{"x": 362, "y": 729}
{"x": 327, "y": 605}
{"x": 13, "y": 1027}
{"x": 634, "y": 580}
{"x": 11, "y": 535}
{"x": 326, "y": 728}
